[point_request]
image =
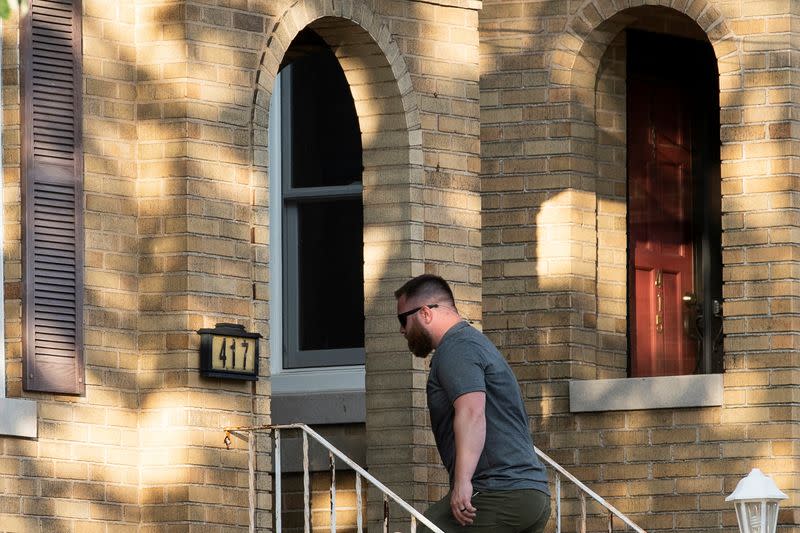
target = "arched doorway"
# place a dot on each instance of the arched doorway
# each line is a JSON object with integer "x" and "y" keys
{"x": 673, "y": 199}
{"x": 657, "y": 135}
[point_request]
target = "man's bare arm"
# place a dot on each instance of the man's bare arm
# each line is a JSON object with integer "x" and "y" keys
{"x": 469, "y": 427}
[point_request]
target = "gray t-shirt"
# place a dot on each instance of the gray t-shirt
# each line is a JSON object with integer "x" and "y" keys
{"x": 467, "y": 361}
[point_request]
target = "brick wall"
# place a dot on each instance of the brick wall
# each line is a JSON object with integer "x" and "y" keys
{"x": 176, "y": 110}
{"x": 195, "y": 64}
{"x": 553, "y": 176}
{"x": 320, "y": 502}
{"x": 82, "y": 471}
{"x": 612, "y": 254}
{"x": 531, "y": 233}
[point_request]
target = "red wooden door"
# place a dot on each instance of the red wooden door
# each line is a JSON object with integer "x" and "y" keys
{"x": 660, "y": 230}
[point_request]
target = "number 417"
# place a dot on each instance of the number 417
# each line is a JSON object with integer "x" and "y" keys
{"x": 228, "y": 350}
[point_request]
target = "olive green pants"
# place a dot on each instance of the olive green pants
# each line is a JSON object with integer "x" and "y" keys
{"x": 508, "y": 511}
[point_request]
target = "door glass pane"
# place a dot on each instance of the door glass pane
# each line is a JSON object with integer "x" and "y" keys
{"x": 674, "y": 283}
{"x": 331, "y": 292}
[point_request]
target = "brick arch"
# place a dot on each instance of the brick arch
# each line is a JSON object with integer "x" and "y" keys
{"x": 386, "y": 104}
{"x": 389, "y": 119}
{"x": 591, "y": 28}
{"x": 575, "y": 79}
{"x": 372, "y": 63}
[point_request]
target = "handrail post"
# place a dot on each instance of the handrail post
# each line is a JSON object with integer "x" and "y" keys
{"x": 385, "y": 514}
{"x": 333, "y": 492}
{"x": 583, "y": 513}
{"x": 251, "y": 475}
{"x": 306, "y": 488}
{"x": 558, "y": 503}
{"x": 277, "y": 485}
{"x": 359, "y": 519}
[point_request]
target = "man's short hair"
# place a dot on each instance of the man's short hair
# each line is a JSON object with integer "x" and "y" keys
{"x": 429, "y": 287}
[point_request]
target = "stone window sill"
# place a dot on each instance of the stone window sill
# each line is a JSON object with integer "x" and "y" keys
{"x": 319, "y": 396}
{"x": 18, "y": 418}
{"x": 667, "y": 392}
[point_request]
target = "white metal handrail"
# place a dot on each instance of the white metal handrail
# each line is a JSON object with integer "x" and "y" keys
{"x": 416, "y": 516}
{"x": 613, "y": 511}
{"x": 333, "y": 453}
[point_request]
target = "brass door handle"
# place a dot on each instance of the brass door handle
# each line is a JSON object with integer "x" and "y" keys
{"x": 659, "y": 312}
{"x": 659, "y": 301}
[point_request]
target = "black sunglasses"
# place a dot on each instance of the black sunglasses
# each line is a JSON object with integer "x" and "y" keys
{"x": 403, "y": 316}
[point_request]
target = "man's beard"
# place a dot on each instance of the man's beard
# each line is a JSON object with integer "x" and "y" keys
{"x": 419, "y": 342}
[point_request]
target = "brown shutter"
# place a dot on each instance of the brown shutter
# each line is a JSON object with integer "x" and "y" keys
{"x": 52, "y": 197}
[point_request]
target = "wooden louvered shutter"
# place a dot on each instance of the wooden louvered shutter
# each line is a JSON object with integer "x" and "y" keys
{"x": 53, "y": 197}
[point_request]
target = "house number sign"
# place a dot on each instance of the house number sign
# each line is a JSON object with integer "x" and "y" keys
{"x": 228, "y": 351}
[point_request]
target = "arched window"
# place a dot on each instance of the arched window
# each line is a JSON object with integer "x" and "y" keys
{"x": 321, "y": 210}
{"x": 673, "y": 194}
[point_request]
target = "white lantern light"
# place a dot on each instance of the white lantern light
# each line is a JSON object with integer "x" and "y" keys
{"x": 756, "y": 501}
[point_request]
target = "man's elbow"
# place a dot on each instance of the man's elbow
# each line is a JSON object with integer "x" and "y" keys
{"x": 471, "y": 407}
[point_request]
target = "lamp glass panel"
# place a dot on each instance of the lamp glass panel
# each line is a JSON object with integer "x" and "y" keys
{"x": 772, "y": 516}
{"x": 757, "y": 517}
{"x": 742, "y": 518}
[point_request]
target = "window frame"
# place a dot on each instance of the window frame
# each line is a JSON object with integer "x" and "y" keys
{"x": 347, "y": 378}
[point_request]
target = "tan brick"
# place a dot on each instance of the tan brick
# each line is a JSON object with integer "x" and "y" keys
{"x": 137, "y": 190}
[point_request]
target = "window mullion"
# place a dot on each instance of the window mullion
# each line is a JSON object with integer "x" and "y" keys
{"x": 353, "y": 190}
{"x": 291, "y": 295}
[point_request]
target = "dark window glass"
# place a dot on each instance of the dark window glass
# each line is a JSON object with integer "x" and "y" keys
{"x": 330, "y": 250}
{"x": 326, "y": 141}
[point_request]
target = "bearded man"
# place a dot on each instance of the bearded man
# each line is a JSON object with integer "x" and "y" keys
{"x": 497, "y": 482}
